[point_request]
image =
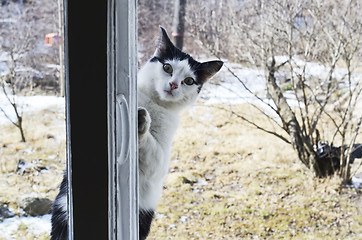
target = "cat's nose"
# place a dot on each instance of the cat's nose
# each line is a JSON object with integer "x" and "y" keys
{"x": 173, "y": 85}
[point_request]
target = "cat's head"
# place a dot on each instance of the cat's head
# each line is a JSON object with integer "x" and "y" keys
{"x": 178, "y": 78}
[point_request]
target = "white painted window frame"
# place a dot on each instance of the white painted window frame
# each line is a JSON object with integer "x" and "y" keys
{"x": 122, "y": 121}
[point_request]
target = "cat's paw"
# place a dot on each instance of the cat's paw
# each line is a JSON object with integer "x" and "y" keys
{"x": 144, "y": 121}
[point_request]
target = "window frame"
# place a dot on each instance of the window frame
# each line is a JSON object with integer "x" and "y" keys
{"x": 101, "y": 119}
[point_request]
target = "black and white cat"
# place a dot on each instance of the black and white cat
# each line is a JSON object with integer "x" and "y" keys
{"x": 170, "y": 81}
{"x": 167, "y": 83}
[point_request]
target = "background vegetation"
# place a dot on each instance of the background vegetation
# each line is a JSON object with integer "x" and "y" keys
{"x": 237, "y": 169}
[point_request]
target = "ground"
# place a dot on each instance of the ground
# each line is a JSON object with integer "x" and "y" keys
{"x": 44, "y": 150}
{"x": 230, "y": 181}
{"x": 227, "y": 180}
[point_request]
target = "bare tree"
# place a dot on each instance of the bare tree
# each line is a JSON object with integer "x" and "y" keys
{"x": 22, "y": 33}
{"x": 8, "y": 88}
{"x": 151, "y": 15}
{"x": 15, "y": 45}
{"x": 288, "y": 39}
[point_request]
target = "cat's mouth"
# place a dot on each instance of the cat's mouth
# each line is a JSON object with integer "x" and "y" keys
{"x": 169, "y": 92}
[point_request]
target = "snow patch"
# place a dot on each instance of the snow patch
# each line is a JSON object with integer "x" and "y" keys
{"x": 35, "y": 225}
{"x": 27, "y": 104}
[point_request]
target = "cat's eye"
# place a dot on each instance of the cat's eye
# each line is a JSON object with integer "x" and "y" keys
{"x": 189, "y": 81}
{"x": 167, "y": 68}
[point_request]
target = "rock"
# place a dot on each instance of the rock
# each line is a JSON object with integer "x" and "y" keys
{"x": 5, "y": 212}
{"x": 36, "y": 206}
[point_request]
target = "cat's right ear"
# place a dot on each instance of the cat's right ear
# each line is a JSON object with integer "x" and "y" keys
{"x": 164, "y": 43}
{"x": 208, "y": 69}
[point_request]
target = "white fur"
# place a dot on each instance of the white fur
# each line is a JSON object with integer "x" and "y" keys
{"x": 163, "y": 108}
{"x": 63, "y": 203}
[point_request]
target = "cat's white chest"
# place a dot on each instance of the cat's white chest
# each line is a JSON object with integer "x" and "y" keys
{"x": 155, "y": 151}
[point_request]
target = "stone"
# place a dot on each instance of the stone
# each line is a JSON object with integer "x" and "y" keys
{"x": 5, "y": 212}
{"x": 36, "y": 206}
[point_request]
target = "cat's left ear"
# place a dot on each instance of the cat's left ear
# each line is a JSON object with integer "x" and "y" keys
{"x": 209, "y": 69}
{"x": 164, "y": 43}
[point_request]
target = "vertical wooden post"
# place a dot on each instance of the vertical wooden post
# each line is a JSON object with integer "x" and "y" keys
{"x": 179, "y": 23}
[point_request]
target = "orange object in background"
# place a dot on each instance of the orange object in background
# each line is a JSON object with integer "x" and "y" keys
{"x": 53, "y": 39}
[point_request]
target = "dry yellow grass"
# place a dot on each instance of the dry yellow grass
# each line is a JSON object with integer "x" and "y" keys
{"x": 45, "y": 148}
{"x": 230, "y": 181}
{"x": 227, "y": 180}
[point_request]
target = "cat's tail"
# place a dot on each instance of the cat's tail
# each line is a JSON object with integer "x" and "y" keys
{"x": 59, "y": 214}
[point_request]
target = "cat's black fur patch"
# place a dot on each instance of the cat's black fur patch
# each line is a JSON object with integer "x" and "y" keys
{"x": 60, "y": 217}
{"x": 167, "y": 51}
{"x": 206, "y": 70}
{"x": 145, "y": 219}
